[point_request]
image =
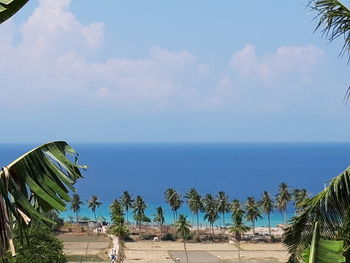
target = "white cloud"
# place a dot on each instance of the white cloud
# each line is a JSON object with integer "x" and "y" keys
{"x": 50, "y": 64}
{"x": 286, "y": 60}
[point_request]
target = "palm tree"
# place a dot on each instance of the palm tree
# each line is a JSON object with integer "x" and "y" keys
{"x": 334, "y": 21}
{"x": 159, "y": 218}
{"x": 282, "y": 199}
{"x": 238, "y": 228}
{"x": 195, "y": 203}
{"x": 118, "y": 228}
{"x": 330, "y": 208}
{"x": 224, "y": 205}
{"x": 34, "y": 184}
{"x": 139, "y": 207}
{"x": 253, "y": 213}
{"x": 127, "y": 201}
{"x": 183, "y": 229}
{"x": 299, "y": 196}
{"x": 75, "y": 206}
{"x": 211, "y": 209}
{"x": 173, "y": 198}
{"x": 235, "y": 205}
{"x": 9, "y": 8}
{"x": 93, "y": 203}
{"x": 267, "y": 205}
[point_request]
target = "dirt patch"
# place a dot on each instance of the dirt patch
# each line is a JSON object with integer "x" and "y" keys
{"x": 194, "y": 256}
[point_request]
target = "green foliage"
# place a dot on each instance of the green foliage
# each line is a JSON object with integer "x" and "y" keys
{"x": 173, "y": 198}
{"x": 252, "y": 211}
{"x": 211, "y": 208}
{"x": 39, "y": 246}
{"x": 323, "y": 251}
{"x": 330, "y": 208}
{"x": 183, "y": 228}
{"x": 139, "y": 207}
{"x": 169, "y": 237}
{"x": 333, "y": 20}
{"x": 59, "y": 222}
{"x": 38, "y": 182}
{"x": 93, "y": 203}
{"x": 159, "y": 217}
{"x": 9, "y": 7}
{"x": 282, "y": 199}
{"x": 127, "y": 202}
{"x": 238, "y": 228}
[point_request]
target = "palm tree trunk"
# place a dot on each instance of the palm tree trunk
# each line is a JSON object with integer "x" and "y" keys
{"x": 174, "y": 216}
{"x": 268, "y": 218}
{"x": 285, "y": 217}
{"x": 76, "y": 214}
{"x": 127, "y": 216}
{"x": 212, "y": 231}
{"x": 197, "y": 223}
{"x": 95, "y": 215}
{"x": 223, "y": 221}
{"x": 185, "y": 250}
{"x": 253, "y": 222}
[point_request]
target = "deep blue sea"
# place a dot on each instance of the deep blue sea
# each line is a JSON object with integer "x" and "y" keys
{"x": 239, "y": 169}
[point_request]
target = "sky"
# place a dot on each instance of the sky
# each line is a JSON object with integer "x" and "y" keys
{"x": 170, "y": 71}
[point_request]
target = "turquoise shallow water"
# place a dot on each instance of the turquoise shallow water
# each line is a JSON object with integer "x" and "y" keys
{"x": 239, "y": 169}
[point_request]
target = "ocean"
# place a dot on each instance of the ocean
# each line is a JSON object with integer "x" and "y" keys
{"x": 239, "y": 169}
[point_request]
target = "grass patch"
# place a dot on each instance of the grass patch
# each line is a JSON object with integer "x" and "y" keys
{"x": 75, "y": 237}
{"x": 251, "y": 260}
{"x": 88, "y": 258}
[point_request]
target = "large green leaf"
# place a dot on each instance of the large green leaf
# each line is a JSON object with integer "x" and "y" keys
{"x": 35, "y": 183}
{"x": 9, "y": 7}
{"x": 323, "y": 251}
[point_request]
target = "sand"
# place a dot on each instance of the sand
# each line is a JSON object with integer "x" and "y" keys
{"x": 157, "y": 252}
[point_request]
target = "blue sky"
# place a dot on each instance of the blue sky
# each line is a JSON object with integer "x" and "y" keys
{"x": 162, "y": 71}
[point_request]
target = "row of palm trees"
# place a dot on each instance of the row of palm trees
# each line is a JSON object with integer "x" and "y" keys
{"x": 216, "y": 207}
{"x": 212, "y": 207}
{"x": 76, "y": 203}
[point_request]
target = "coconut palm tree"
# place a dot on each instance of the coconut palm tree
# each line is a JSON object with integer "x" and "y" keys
{"x": 34, "y": 184}
{"x": 159, "y": 218}
{"x": 267, "y": 205}
{"x": 224, "y": 205}
{"x": 118, "y": 228}
{"x": 282, "y": 199}
{"x": 235, "y": 205}
{"x": 330, "y": 208}
{"x": 127, "y": 202}
{"x": 173, "y": 198}
{"x": 139, "y": 207}
{"x": 299, "y": 197}
{"x": 75, "y": 206}
{"x": 252, "y": 212}
{"x": 238, "y": 228}
{"x": 183, "y": 230}
{"x": 211, "y": 209}
{"x": 334, "y": 21}
{"x": 195, "y": 203}
{"x": 93, "y": 203}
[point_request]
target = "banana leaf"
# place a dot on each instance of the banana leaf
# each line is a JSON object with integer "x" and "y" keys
{"x": 33, "y": 184}
{"x": 10, "y": 7}
{"x": 323, "y": 251}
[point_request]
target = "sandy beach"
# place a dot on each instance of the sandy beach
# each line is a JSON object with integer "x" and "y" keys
{"x": 157, "y": 252}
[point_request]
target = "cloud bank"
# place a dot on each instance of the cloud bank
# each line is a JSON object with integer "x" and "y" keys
{"x": 47, "y": 61}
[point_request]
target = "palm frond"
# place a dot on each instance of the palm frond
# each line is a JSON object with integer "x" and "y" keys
{"x": 331, "y": 209}
{"x": 35, "y": 183}
{"x": 9, "y": 7}
{"x": 333, "y": 20}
